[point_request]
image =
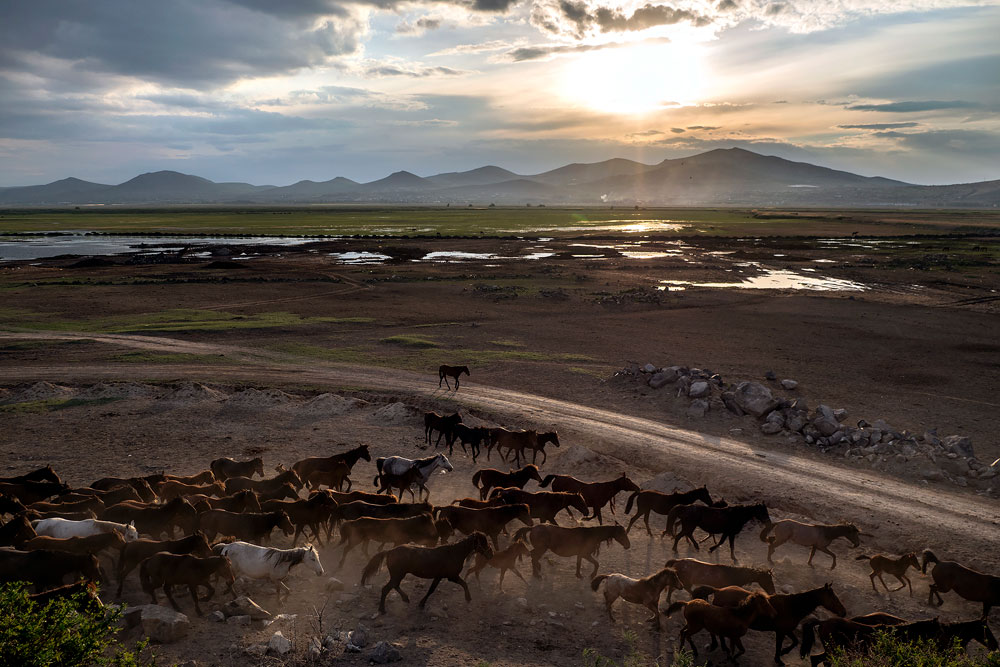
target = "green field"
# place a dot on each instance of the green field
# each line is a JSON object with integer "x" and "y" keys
{"x": 500, "y": 221}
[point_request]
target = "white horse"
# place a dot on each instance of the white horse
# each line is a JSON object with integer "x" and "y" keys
{"x": 399, "y": 465}
{"x": 254, "y": 562}
{"x": 56, "y": 527}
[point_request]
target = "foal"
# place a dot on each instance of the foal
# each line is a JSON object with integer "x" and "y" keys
{"x": 897, "y": 567}
{"x": 165, "y": 569}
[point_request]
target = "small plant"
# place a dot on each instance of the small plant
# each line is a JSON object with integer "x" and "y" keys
{"x": 888, "y": 650}
{"x": 64, "y": 632}
{"x": 632, "y": 658}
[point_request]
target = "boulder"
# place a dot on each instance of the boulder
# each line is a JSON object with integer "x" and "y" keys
{"x": 661, "y": 379}
{"x": 840, "y": 414}
{"x": 699, "y": 389}
{"x": 729, "y": 400}
{"x": 754, "y": 398}
{"x": 383, "y": 653}
{"x": 244, "y": 606}
{"x": 930, "y": 437}
{"x": 160, "y": 624}
{"x": 698, "y": 408}
{"x": 242, "y": 620}
{"x": 771, "y": 428}
{"x": 359, "y": 637}
{"x": 217, "y": 616}
{"x": 649, "y": 368}
{"x": 959, "y": 444}
{"x": 825, "y": 421}
{"x": 796, "y": 421}
{"x": 789, "y": 384}
{"x": 279, "y": 644}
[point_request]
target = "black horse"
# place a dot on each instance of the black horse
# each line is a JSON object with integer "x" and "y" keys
{"x": 454, "y": 372}
{"x": 726, "y": 522}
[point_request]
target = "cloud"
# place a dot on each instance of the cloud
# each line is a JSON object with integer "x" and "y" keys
{"x": 547, "y": 51}
{"x": 877, "y": 126}
{"x": 912, "y": 107}
{"x": 703, "y": 127}
{"x": 579, "y": 19}
{"x": 645, "y": 133}
{"x": 479, "y": 47}
{"x": 418, "y": 27}
{"x": 678, "y": 130}
{"x": 412, "y": 70}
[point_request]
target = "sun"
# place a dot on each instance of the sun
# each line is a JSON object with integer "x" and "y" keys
{"x": 636, "y": 79}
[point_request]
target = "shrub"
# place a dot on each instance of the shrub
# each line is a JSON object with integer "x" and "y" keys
{"x": 64, "y": 632}
{"x": 890, "y": 651}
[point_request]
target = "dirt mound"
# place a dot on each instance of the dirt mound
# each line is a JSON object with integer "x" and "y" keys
{"x": 119, "y": 390}
{"x": 331, "y": 404}
{"x": 37, "y": 391}
{"x": 398, "y": 414}
{"x": 193, "y": 392}
{"x": 667, "y": 482}
{"x": 259, "y": 398}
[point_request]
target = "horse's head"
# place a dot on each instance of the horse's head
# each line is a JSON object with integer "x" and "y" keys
{"x": 293, "y": 478}
{"x": 551, "y": 436}
{"x": 284, "y": 523}
{"x": 829, "y": 599}
{"x": 130, "y": 533}
{"x": 258, "y": 467}
{"x": 623, "y": 483}
{"x": 443, "y": 461}
{"x": 761, "y": 606}
{"x": 523, "y": 514}
{"x": 668, "y": 577}
{"x": 116, "y": 539}
{"x": 200, "y": 544}
{"x": 766, "y": 580}
{"x": 311, "y": 558}
{"x": 910, "y": 560}
{"x": 365, "y": 454}
{"x": 533, "y": 472}
{"x": 851, "y": 532}
{"x": 444, "y": 529}
{"x": 481, "y": 543}
{"x": 621, "y": 536}
{"x": 759, "y": 512}
{"x": 224, "y": 568}
{"x": 465, "y": 369}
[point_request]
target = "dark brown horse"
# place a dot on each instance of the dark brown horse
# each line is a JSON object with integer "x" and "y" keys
{"x": 249, "y": 527}
{"x": 16, "y": 532}
{"x": 405, "y": 481}
{"x": 312, "y": 513}
{"x": 596, "y": 494}
{"x": 582, "y": 542}
{"x": 726, "y": 522}
{"x": 516, "y": 442}
{"x": 119, "y": 494}
{"x": 489, "y": 520}
{"x": 453, "y": 372}
{"x": 141, "y": 484}
{"x": 47, "y": 569}
{"x": 156, "y": 519}
{"x": 235, "y": 484}
{"x": 203, "y": 477}
{"x": 790, "y": 610}
{"x": 647, "y": 501}
{"x": 724, "y": 622}
{"x": 490, "y": 478}
{"x": 306, "y": 467}
{"x": 437, "y": 563}
{"x": 32, "y": 492}
{"x": 85, "y": 592}
{"x": 443, "y": 424}
{"x": 421, "y": 529}
{"x": 225, "y": 468}
{"x": 92, "y": 544}
{"x": 333, "y": 477}
{"x": 241, "y": 501}
{"x": 166, "y": 570}
{"x": 139, "y": 550}
{"x": 169, "y": 489}
{"x": 502, "y": 560}
{"x": 966, "y": 582}
{"x": 897, "y": 567}
{"x": 544, "y": 504}
{"x": 46, "y": 474}
{"x": 473, "y": 436}
{"x": 842, "y": 633}
{"x": 9, "y": 505}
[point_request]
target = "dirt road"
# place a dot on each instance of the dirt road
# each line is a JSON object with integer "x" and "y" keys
{"x": 898, "y": 512}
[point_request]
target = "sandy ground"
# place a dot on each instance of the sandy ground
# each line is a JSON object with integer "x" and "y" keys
{"x": 918, "y": 357}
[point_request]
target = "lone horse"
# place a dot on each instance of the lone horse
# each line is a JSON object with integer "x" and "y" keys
{"x": 454, "y": 372}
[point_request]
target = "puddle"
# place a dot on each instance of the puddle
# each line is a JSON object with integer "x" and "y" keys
{"x": 640, "y": 254}
{"x": 41, "y": 246}
{"x": 360, "y": 257}
{"x": 825, "y": 261}
{"x": 777, "y": 279}
{"x": 455, "y": 256}
{"x": 626, "y": 226}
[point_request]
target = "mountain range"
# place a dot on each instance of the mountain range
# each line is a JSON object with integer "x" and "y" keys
{"x": 722, "y": 177}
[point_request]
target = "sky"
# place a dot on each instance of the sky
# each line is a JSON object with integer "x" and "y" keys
{"x": 273, "y": 92}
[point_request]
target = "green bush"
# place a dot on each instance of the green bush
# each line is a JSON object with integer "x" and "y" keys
{"x": 889, "y": 651}
{"x": 64, "y": 632}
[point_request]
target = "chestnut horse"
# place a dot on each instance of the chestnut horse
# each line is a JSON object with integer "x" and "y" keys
{"x": 723, "y": 622}
{"x": 966, "y": 582}
{"x": 583, "y": 542}
{"x": 437, "y": 563}
{"x": 595, "y": 494}
{"x": 647, "y": 501}
{"x": 897, "y": 567}
{"x": 491, "y": 478}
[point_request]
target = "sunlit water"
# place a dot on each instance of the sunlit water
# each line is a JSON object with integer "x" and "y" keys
{"x": 39, "y": 247}
{"x": 775, "y": 279}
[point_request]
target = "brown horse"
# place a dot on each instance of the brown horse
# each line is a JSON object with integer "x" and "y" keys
{"x": 241, "y": 501}
{"x": 421, "y": 529}
{"x": 203, "y": 477}
{"x": 437, "y": 563}
{"x": 726, "y": 522}
{"x": 85, "y": 592}
{"x": 249, "y": 527}
{"x": 897, "y": 567}
{"x": 16, "y": 532}
{"x": 647, "y": 501}
{"x": 474, "y": 437}
{"x": 490, "y": 478}
{"x": 477, "y": 504}
{"x": 306, "y": 467}
{"x": 91, "y": 544}
{"x": 225, "y": 468}
{"x": 453, "y": 372}
{"x": 544, "y": 504}
{"x": 135, "y": 552}
{"x": 32, "y": 492}
{"x": 878, "y": 618}
{"x": 596, "y": 494}
{"x": 503, "y": 561}
{"x": 140, "y": 484}
{"x": 405, "y": 481}
{"x": 517, "y": 442}
{"x": 235, "y": 484}
{"x": 582, "y": 542}
{"x": 691, "y": 572}
{"x": 789, "y": 609}
{"x": 489, "y": 520}
{"x": 166, "y": 570}
{"x": 333, "y": 477}
{"x": 119, "y": 494}
{"x": 342, "y": 498}
{"x": 966, "y": 582}
{"x": 312, "y": 513}
{"x": 46, "y": 474}
{"x": 156, "y": 519}
{"x": 645, "y": 591}
{"x": 9, "y": 505}
{"x": 169, "y": 489}
{"x": 93, "y": 504}
{"x": 724, "y": 622}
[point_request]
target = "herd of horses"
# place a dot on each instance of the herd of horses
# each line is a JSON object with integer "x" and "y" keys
{"x": 215, "y": 527}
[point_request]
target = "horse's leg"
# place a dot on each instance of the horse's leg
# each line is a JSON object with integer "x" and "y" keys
{"x": 536, "y": 565}
{"x": 434, "y": 585}
{"x": 461, "y": 582}
{"x": 986, "y": 610}
{"x": 812, "y": 552}
{"x": 193, "y": 588}
{"x": 391, "y": 584}
{"x": 907, "y": 580}
{"x": 826, "y": 550}
{"x": 579, "y": 560}
{"x": 608, "y": 601}
{"x": 872, "y": 577}
{"x": 596, "y": 565}
{"x": 780, "y": 639}
{"x": 166, "y": 591}
{"x": 732, "y": 547}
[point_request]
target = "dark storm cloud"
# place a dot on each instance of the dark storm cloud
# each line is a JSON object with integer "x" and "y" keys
{"x": 911, "y": 107}
{"x": 877, "y": 126}
{"x": 647, "y": 16}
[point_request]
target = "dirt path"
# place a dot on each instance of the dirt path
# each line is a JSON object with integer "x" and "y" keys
{"x": 900, "y": 512}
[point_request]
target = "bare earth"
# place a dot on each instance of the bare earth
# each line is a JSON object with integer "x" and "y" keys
{"x": 918, "y": 357}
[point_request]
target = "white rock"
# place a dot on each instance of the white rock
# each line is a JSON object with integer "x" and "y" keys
{"x": 160, "y": 624}
{"x": 789, "y": 384}
{"x": 279, "y": 644}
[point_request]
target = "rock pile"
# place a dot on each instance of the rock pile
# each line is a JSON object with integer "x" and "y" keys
{"x": 926, "y": 456}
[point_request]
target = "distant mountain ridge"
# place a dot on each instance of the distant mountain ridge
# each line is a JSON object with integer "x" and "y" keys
{"x": 721, "y": 177}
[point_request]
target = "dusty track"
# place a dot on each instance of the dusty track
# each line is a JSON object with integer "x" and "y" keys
{"x": 804, "y": 485}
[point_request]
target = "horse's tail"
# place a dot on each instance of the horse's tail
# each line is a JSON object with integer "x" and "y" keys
{"x": 476, "y": 478}
{"x": 628, "y": 505}
{"x": 595, "y": 583}
{"x": 680, "y": 604}
{"x": 520, "y": 534}
{"x": 808, "y": 637}
{"x": 767, "y": 529}
{"x": 671, "y": 518}
{"x": 548, "y": 480}
{"x": 928, "y": 557}
{"x": 372, "y": 567}
{"x": 703, "y": 592}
